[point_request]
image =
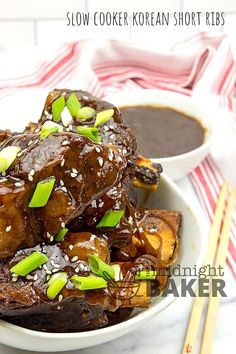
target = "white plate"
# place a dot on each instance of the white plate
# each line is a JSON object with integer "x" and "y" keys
{"x": 193, "y": 246}
{"x": 176, "y": 166}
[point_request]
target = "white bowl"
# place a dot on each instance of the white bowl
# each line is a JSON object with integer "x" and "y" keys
{"x": 193, "y": 246}
{"x": 177, "y": 166}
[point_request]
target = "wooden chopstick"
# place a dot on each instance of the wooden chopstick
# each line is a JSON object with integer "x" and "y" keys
{"x": 211, "y": 316}
{"x": 198, "y": 304}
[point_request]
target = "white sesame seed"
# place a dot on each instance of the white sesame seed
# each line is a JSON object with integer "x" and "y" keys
{"x": 130, "y": 220}
{"x": 71, "y": 247}
{"x": 48, "y": 272}
{"x": 106, "y": 128}
{"x": 64, "y": 189}
{"x": 28, "y": 277}
{"x": 94, "y": 204}
{"x": 52, "y": 262}
{"x": 77, "y": 270}
{"x": 97, "y": 149}
{"x": 48, "y": 235}
{"x": 45, "y": 267}
{"x": 101, "y": 204}
{"x": 8, "y": 228}
{"x": 112, "y": 136}
{"x": 85, "y": 97}
{"x": 74, "y": 170}
{"x": 100, "y": 161}
{"x": 31, "y": 172}
{"x": 18, "y": 184}
{"x": 35, "y": 277}
{"x": 65, "y": 142}
{"x": 51, "y": 239}
{"x": 62, "y": 162}
{"x": 124, "y": 151}
{"x": 63, "y": 224}
{"x": 66, "y": 258}
{"x": 70, "y": 127}
{"x": 30, "y": 178}
{"x": 73, "y": 175}
{"x": 54, "y": 270}
{"x": 56, "y": 265}
{"x": 119, "y": 159}
{"x": 74, "y": 259}
{"x": 30, "y": 142}
{"x": 60, "y": 298}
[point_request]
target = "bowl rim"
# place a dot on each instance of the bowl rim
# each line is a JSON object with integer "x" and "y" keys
{"x": 140, "y": 317}
{"x": 207, "y": 143}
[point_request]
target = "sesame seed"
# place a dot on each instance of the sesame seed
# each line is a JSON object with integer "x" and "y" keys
{"x": 74, "y": 259}
{"x": 73, "y": 175}
{"x": 31, "y": 172}
{"x": 77, "y": 270}
{"x": 100, "y": 161}
{"x": 97, "y": 149}
{"x": 62, "y": 162}
{"x": 66, "y": 258}
{"x": 71, "y": 247}
{"x": 60, "y": 298}
{"x": 65, "y": 142}
{"x": 85, "y": 97}
{"x": 56, "y": 265}
{"x": 106, "y": 128}
{"x": 48, "y": 272}
{"x": 119, "y": 159}
{"x": 74, "y": 170}
{"x": 51, "y": 239}
{"x": 28, "y": 277}
{"x": 30, "y": 178}
{"x": 18, "y": 184}
{"x": 101, "y": 204}
{"x": 8, "y": 228}
{"x": 140, "y": 229}
{"x": 45, "y": 267}
{"x": 124, "y": 151}
{"x": 52, "y": 262}
{"x": 30, "y": 142}
{"x": 64, "y": 189}
{"x": 54, "y": 270}
{"x": 130, "y": 220}
{"x": 112, "y": 136}
{"x": 63, "y": 224}
{"x": 70, "y": 127}
{"x": 35, "y": 277}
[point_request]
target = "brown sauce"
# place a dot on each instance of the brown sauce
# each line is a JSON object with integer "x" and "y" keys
{"x": 163, "y": 132}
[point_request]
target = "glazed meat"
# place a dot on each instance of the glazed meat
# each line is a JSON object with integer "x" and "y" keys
{"x": 71, "y": 159}
{"x": 25, "y": 303}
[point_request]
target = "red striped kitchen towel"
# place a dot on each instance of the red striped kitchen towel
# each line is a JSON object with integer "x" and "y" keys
{"x": 201, "y": 66}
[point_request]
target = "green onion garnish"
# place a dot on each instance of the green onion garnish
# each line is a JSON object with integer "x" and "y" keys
{"x": 103, "y": 116}
{"x": 88, "y": 283}
{"x": 57, "y": 107}
{"x": 73, "y": 105}
{"x": 86, "y": 113}
{"x": 146, "y": 274}
{"x": 111, "y": 218}
{"x": 61, "y": 234}
{"x": 117, "y": 270}
{"x": 100, "y": 268}
{"x": 42, "y": 192}
{"x": 8, "y": 156}
{"x": 91, "y": 132}
{"x": 29, "y": 264}
{"x": 49, "y": 128}
{"x": 55, "y": 284}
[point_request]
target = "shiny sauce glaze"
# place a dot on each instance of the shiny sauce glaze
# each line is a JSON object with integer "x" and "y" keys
{"x": 163, "y": 132}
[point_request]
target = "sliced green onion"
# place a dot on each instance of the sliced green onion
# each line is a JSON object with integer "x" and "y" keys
{"x": 49, "y": 128}
{"x": 66, "y": 117}
{"x": 56, "y": 283}
{"x": 146, "y": 274}
{"x": 100, "y": 268}
{"x": 73, "y": 105}
{"x": 91, "y": 132}
{"x": 117, "y": 270}
{"x": 103, "y": 116}
{"x": 57, "y": 107}
{"x": 86, "y": 113}
{"x": 29, "y": 263}
{"x": 111, "y": 218}
{"x": 61, "y": 234}
{"x": 8, "y": 156}
{"x": 88, "y": 283}
{"x": 42, "y": 192}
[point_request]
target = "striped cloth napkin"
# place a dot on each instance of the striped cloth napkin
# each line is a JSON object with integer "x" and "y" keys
{"x": 201, "y": 66}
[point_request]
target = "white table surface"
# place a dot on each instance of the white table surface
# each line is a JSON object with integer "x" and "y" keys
{"x": 165, "y": 333}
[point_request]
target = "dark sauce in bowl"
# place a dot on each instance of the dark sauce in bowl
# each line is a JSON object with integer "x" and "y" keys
{"x": 163, "y": 132}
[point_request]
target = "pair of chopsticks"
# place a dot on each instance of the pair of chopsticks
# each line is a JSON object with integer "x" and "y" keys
{"x": 216, "y": 256}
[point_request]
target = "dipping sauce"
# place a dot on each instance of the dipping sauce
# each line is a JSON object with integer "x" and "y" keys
{"x": 163, "y": 132}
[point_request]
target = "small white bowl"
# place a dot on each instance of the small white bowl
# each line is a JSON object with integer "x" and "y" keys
{"x": 176, "y": 166}
{"x": 192, "y": 251}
